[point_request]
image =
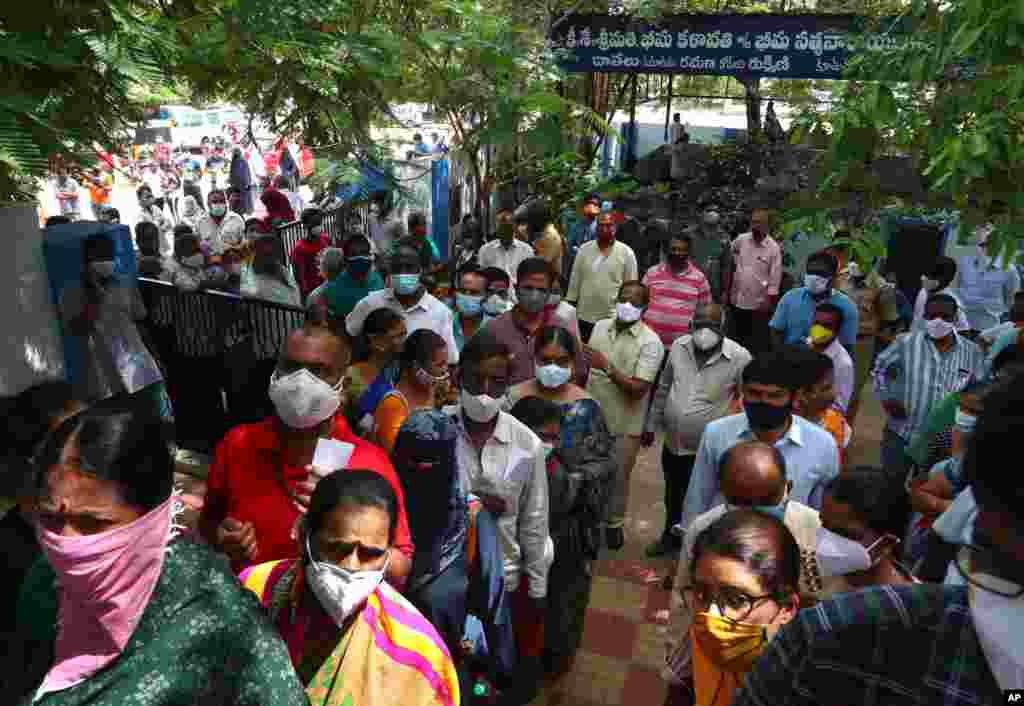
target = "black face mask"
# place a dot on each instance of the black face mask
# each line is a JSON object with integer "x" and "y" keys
{"x": 766, "y": 417}
{"x": 678, "y": 262}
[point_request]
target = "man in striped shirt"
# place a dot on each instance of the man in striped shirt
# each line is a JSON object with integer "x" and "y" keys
{"x": 917, "y": 371}
{"x": 676, "y": 288}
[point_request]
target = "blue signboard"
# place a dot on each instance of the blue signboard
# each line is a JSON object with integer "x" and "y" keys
{"x": 762, "y": 45}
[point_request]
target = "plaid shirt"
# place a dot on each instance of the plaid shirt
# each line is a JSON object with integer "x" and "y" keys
{"x": 884, "y": 646}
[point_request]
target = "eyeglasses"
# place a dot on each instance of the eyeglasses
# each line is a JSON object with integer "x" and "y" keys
{"x": 733, "y": 603}
{"x": 970, "y": 560}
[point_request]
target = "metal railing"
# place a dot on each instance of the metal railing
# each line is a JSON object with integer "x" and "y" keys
{"x": 218, "y": 351}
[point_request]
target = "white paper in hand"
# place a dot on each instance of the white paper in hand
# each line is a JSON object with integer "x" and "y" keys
{"x": 331, "y": 455}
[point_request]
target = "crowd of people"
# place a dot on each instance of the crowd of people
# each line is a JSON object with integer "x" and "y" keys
{"x": 418, "y": 520}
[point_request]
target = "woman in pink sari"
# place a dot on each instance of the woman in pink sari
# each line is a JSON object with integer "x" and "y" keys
{"x": 353, "y": 639}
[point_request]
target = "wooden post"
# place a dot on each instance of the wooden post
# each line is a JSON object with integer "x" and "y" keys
{"x": 668, "y": 105}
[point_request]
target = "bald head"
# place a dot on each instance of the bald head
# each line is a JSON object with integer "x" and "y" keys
{"x": 325, "y": 353}
{"x": 753, "y": 473}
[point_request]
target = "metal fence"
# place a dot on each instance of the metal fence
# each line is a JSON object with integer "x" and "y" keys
{"x": 218, "y": 351}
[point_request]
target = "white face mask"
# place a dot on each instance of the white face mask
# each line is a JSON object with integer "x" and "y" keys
{"x": 480, "y": 408}
{"x": 938, "y": 328}
{"x": 839, "y": 556}
{"x": 102, "y": 268}
{"x": 341, "y": 592}
{"x": 197, "y": 260}
{"x": 302, "y": 400}
{"x": 705, "y": 339}
{"x": 627, "y": 313}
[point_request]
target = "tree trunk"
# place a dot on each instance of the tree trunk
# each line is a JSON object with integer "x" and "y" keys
{"x": 753, "y": 102}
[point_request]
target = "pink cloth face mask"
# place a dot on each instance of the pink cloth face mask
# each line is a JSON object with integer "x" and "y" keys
{"x": 105, "y": 582}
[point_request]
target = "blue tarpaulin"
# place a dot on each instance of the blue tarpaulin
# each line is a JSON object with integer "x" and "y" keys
{"x": 439, "y": 205}
{"x": 371, "y": 180}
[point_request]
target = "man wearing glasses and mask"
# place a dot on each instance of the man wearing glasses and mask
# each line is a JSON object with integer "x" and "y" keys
{"x": 923, "y": 644}
{"x": 262, "y": 474}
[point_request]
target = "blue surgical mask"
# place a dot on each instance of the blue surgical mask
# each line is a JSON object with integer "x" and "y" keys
{"x": 405, "y": 285}
{"x": 965, "y": 423}
{"x": 552, "y": 376}
{"x": 470, "y": 305}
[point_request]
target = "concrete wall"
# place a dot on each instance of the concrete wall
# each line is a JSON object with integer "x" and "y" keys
{"x": 31, "y": 350}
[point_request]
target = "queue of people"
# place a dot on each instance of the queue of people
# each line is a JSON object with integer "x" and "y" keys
{"x": 418, "y": 519}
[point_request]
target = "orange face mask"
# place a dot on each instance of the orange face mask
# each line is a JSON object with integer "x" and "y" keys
{"x": 728, "y": 644}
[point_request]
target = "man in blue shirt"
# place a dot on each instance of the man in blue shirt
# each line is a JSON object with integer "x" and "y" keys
{"x": 795, "y": 312}
{"x": 769, "y": 390}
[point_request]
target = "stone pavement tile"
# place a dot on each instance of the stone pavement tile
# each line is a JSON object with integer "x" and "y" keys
{"x": 618, "y": 598}
{"x": 644, "y": 687}
{"x": 635, "y": 571}
{"x": 608, "y": 635}
{"x": 595, "y": 679}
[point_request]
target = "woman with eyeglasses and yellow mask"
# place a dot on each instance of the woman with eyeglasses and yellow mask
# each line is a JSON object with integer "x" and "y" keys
{"x": 744, "y": 586}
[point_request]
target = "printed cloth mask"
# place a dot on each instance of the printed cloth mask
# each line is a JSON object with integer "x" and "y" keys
{"x": 533, "y": 301}
{"x": 470, "y": 305}
{"x": 706, "y": 339}
{"x": 424, "y": 378}
{"x": 820, "y": 334}
{"x": 928, "y": 283}
{"x": 106, "y": 581}
{"x": 496, "y": 305}
{"x": 359, "y": 265}
{"x": 480, "y": 408}
{"x": 839, "y": 556}
{"x": 218, "y": 209}
{"x": 552, "y": 375}
{"x": 341, "y": 592}
{"x": 938, "y": 329}
{"x": 764, "y": 417}
{"x": 627, "y": 313}
{"x": 816, "y": 284}
{"x": 404, "y": 285}
{"x": 302, "y": 400}
{"x": 729, "y": 644}
{"x": 102, "y": 268}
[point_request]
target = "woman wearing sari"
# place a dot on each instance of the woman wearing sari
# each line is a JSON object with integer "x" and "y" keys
{"x": 373, "y": 377}
{"x": 353, "y": 639}
{"x": 583, "y": 466}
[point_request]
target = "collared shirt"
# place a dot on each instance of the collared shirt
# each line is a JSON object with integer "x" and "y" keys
{"x": 691, "y": 396}
{"x": 520, "y": 344}
{"x": 494, "y": 254}
{"x": 795, "y": 314}
{"x": 345, "y": 291}
{"x": 674, "y": 298}
{"x": 993, "y": 334}
{"x": 457, "y": 331}
{"x": 913, "y": 372}
{"x": 429, "y": 313}
{"x": 986, "y": 288}
{"x": 962, "y": 324}
{"x": 842, "y": 373}
{"x": 596, "y": 279}
{"x": 892, "y": 645}
{"x": 635, "y": 351}
{"x": 758, "y": 271}
{"x": 812, "y": 460}
{"x": 245, "y": 482}
{"x": 512, "y": 466}
{"x": 214, "y": 236}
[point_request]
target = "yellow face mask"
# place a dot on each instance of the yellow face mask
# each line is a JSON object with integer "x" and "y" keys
{"x": 729, "y": 645}
{"x": 820, "y": 334}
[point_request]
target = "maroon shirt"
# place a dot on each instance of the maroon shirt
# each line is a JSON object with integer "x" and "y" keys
{"x": 520, "y": 343}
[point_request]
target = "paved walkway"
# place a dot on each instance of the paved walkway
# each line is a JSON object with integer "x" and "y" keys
{"x": 622, "y": 651}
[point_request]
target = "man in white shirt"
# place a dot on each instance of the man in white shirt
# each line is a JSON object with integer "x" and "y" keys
{"x": 504, "y": 464}
{"x": 407, "y": 297}
{"x": 505, "y": 251}
{"x": 625, "y": 356}
{"x": 220, "y": 228}
{"x": 600, "y": 269}
{"x": 699, "y": 384}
